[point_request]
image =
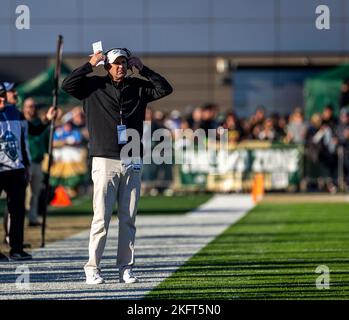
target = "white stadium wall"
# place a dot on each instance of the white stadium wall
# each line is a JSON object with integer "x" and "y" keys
{"x": 181, "y": 39}
{"x": 176, "y": 27}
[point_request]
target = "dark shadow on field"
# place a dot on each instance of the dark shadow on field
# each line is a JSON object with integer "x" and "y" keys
{"x": 281, "y": 288}
{"x": 104, "y": 293}
{"x": 254, "y": 294}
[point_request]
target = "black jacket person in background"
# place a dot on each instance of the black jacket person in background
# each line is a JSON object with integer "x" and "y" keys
{"x": 112, "y": 104}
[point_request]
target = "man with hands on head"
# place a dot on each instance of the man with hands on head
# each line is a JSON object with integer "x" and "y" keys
{"x": 113, "y": 104}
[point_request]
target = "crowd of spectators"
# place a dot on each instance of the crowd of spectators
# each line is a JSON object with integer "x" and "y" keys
{"x": 322, "y": 135}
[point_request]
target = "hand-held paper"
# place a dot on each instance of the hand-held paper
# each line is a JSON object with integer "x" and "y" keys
{"x": 97, "y": 46}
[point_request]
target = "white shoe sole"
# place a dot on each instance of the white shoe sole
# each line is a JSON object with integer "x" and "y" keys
{"x": 94, "y": 282}
{"x": 129, "y": 281}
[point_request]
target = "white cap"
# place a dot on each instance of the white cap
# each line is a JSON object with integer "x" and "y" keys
{"x": 115, "y": 53}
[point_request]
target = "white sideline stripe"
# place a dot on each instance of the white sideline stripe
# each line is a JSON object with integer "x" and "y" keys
{"x": 163, "y": 244}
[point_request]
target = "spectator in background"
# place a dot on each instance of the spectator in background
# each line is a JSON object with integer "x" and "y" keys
{"x": 158, "y": 120}
{"x": 296, "y": 128}
{"x": 344, "y": 96}
{"x": 186, "y": 138}
{"x": 194, "y": 120}
{"x": 327, "y": 144}
{"x": 11, "y": 93}
{"x": 314, "y": 126}
{"x": 232, "y": 124}
{"x": 342, "y": 132}
{"x": 208, "y": 117}
{"x": 66, "y": 135}
{"x": 162, "y": 173}
{"x": 257, "y": 122}
{"x": 328, "y": 117}
{"x": 246, "y": 129}
{"x": 281, "y": 127}
{"x": 268, "y": 131}
{"x": 69, "y": 165}
{"x": 38, "y": 147}
{"x": 312, "y": 165}
{"x": 345, "y": 144}
{"x": 329, "y": 155}
{"x": 78, "y": 122}
{"x": 279, "y": 134}
{"x": 343, "y": 124}
{"x": 78, "y": 118}
{"x": 173, "y": 121}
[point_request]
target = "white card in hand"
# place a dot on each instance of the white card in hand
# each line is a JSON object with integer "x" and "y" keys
{"x": 97, "y": 46}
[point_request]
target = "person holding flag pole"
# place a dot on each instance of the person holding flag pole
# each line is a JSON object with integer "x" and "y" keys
{"x": 15, "y": 162}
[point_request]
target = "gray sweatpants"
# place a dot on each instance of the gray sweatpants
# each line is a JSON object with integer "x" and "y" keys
{"x": 36, "y": 185}
{"x": 113, "y": 181}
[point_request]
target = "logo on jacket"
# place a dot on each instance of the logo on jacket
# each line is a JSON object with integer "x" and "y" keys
{"x": 8, "y": 145}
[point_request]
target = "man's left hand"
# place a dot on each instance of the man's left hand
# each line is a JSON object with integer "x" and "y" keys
{"x": 135, "y": 61}
{"x": 52, "y": 113}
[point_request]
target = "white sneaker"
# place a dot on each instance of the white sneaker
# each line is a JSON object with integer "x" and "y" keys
{"x": 126, "y": 276}
{"x": 95, "y": 278}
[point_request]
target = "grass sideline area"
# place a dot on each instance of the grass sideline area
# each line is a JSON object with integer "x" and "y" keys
{"x": 66, "y": 221}
{"x": 272, "y": 253}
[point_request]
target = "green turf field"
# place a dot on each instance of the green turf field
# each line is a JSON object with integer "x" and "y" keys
{"x": 272, "y": 253}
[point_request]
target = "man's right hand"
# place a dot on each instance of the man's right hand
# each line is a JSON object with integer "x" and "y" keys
{"x": 97, "y": 57}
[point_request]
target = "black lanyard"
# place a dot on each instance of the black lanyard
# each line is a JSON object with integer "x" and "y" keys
{"x": 118, "y": 99}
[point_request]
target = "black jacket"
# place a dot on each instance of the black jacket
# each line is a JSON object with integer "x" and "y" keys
{"x": 102, "y": 100}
